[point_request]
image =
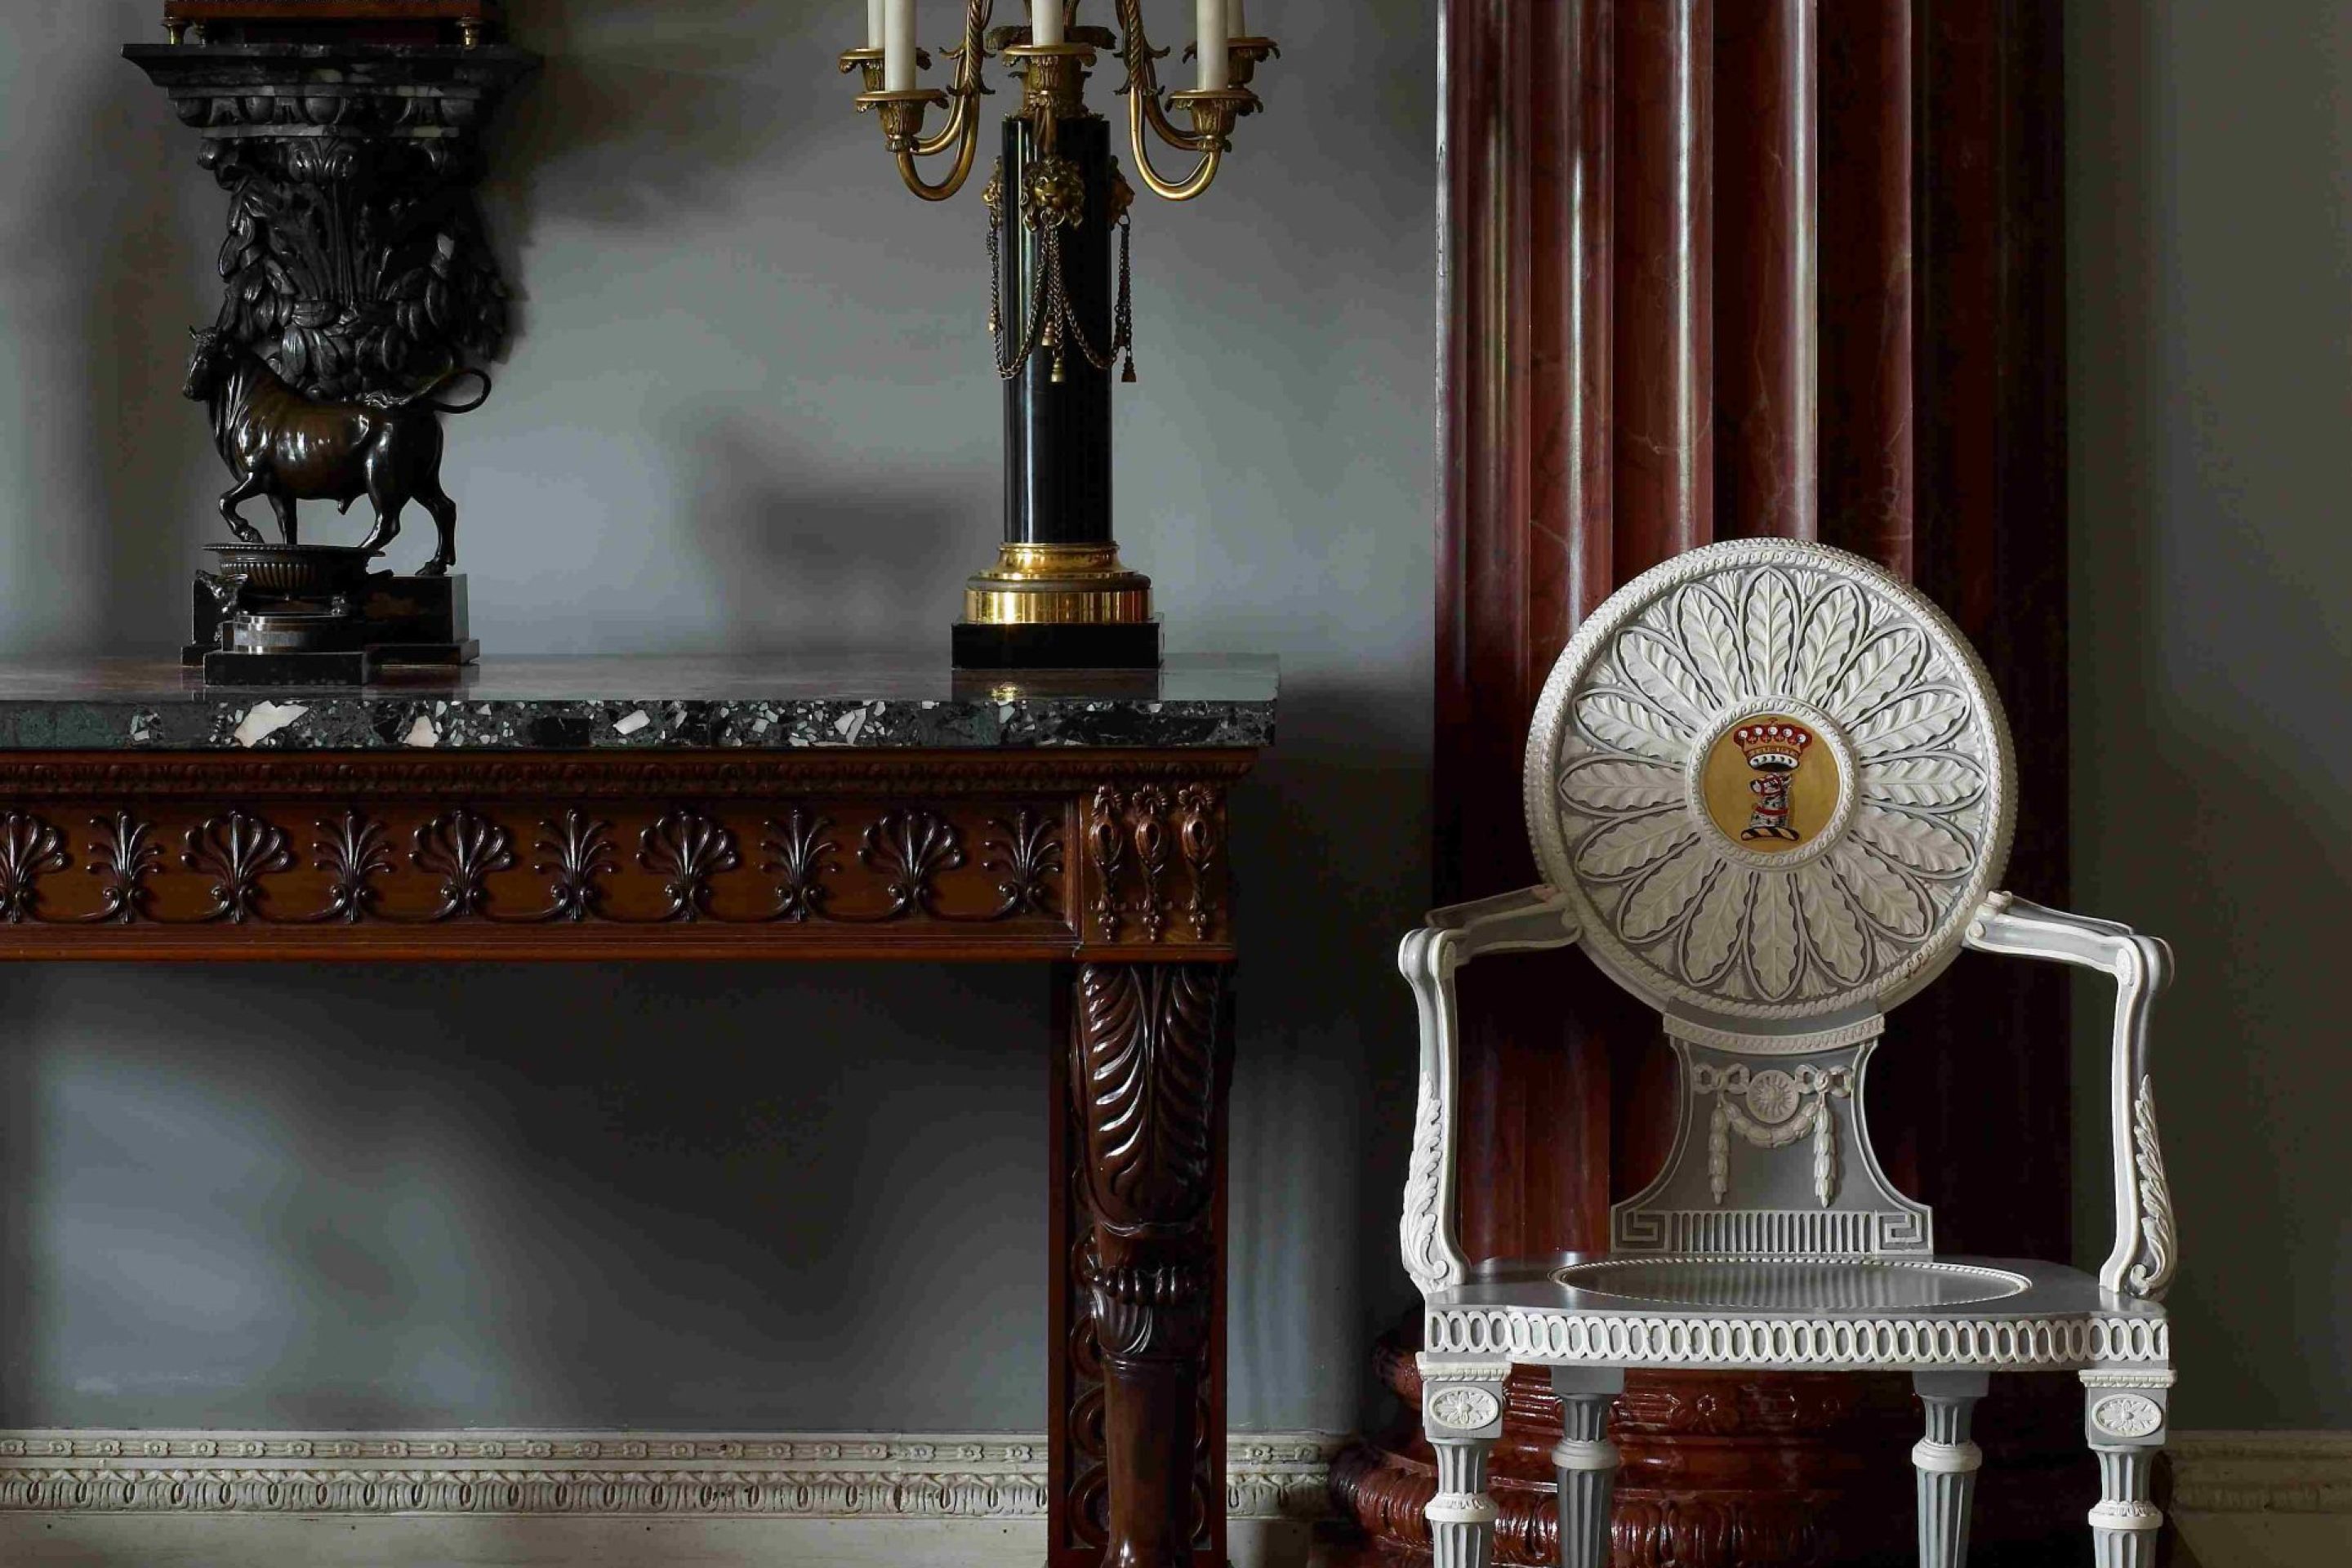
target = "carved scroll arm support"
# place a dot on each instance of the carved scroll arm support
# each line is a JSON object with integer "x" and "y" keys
{"x": 2146, "y": 1249}
{"x": 1529, "y": 921}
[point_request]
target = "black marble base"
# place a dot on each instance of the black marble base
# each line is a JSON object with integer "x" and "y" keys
{"x": 353, "y": 666}
{"x": 1132, "y": 644}
{"x": 404, "y": 620}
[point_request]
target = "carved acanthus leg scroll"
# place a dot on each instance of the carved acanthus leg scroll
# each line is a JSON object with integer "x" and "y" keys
{"x": 1149, "y": 1060}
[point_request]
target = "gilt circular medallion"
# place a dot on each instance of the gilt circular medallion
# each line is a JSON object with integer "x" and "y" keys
{"x": 1774, "y": 780}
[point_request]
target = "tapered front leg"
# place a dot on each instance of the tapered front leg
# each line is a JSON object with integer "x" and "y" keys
{"x": 1462, "y": 1413}
{"x": 1149, "y": 1062}
{"x": 2124, "y": 1417}
{"x": 1585, "y": 1461}
{"x": 1947, "y": 1460}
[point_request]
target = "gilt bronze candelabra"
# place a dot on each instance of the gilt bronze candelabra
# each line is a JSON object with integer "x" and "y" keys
{"x": 1058, "y": 595}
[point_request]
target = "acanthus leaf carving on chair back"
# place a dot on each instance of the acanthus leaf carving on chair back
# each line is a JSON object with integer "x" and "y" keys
{"x": 1773, "y": 783}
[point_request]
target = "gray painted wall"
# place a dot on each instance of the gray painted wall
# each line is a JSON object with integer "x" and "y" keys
{"x": 2211, "y": 227}
{"x": 751, "y": 408}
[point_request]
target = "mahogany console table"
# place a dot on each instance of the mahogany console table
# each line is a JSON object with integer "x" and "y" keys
{"x": 741, "y": 809}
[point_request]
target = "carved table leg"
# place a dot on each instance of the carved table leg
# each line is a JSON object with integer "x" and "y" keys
{"x": 1947, "y": 1462}
{"x": 1149, "y": 1060}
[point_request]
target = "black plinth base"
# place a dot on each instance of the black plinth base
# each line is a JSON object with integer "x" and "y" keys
{"x": 402, "y": 620}
{"x": 349, "y": 666}
{"x": 1131, "y": 644}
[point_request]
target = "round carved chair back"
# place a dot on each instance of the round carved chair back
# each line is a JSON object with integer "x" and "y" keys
{"x": 1774, "y": 781}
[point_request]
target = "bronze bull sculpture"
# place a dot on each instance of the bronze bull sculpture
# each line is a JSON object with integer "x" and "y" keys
{"x": 289, "y": 447}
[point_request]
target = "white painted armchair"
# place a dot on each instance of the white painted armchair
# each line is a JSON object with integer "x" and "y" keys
{"x": 1771, "y": 792}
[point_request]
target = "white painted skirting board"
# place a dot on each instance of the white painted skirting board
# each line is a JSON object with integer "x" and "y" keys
{"x": 524, "y": 1500}
{"x": 245, "y": 1499}
{"x": 2264, "y": 1500}
{"x": 995, "y": 1475}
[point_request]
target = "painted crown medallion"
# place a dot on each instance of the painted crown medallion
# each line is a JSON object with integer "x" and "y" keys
{"x": 1771, "y": 780}
{"x": 1774, "y": 746}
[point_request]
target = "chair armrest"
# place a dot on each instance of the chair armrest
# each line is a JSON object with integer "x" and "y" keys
{"x": 2146, "y": 1250}
{"x": 1528, "y": 920}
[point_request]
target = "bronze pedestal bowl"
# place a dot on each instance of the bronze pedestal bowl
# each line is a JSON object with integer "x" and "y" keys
{"x": 296, "y": 570}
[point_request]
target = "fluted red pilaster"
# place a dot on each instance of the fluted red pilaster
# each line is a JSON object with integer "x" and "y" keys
{"x": 1710, "y": 269}
{"x": 1767, "y": 118}
{"x": 1867, "y": 430}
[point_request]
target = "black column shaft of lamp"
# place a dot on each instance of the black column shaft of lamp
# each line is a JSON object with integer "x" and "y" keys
{"x": 1059, "y": 596}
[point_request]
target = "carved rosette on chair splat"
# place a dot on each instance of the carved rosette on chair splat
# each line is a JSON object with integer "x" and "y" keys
{"x": 359, "y": 298}
{"x": 1149, "y": 1057}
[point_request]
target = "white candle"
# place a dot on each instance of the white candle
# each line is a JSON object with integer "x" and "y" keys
{"x": 873, "y": 24}
{"x": 898, "y": 46}
{"x": 1045, "y": 21}
{"x": 1236, "y": 22}
{"x": 1209, "y": 30}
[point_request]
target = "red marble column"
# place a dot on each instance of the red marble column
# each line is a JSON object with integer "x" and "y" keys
{"x": 1719, "y": 268}
{"x": 1767, "y": 331}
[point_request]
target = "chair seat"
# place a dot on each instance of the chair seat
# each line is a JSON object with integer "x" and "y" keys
{"x": 1827, "y": 1313}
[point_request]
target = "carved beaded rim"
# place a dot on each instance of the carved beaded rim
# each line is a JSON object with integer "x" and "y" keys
{"x": 1933, "y": 787}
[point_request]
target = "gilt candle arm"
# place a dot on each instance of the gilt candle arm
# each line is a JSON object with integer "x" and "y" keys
{"x": 902, "y": 112}
{"x": 1213, "y": 113}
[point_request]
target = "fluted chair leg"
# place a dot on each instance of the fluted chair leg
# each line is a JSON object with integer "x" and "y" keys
{"x": 2125, "y": 1415}
{"x": 1462, "y": 1413}
{"x": 2124, "y": 1525}
{"x": 1585, "y": 1461}
{"x": 1947, "y": 1462}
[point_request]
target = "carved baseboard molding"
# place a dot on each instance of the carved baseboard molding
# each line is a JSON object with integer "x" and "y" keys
{"x": 882, "y": 1476}
{"x": 2262, "y": 1472}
